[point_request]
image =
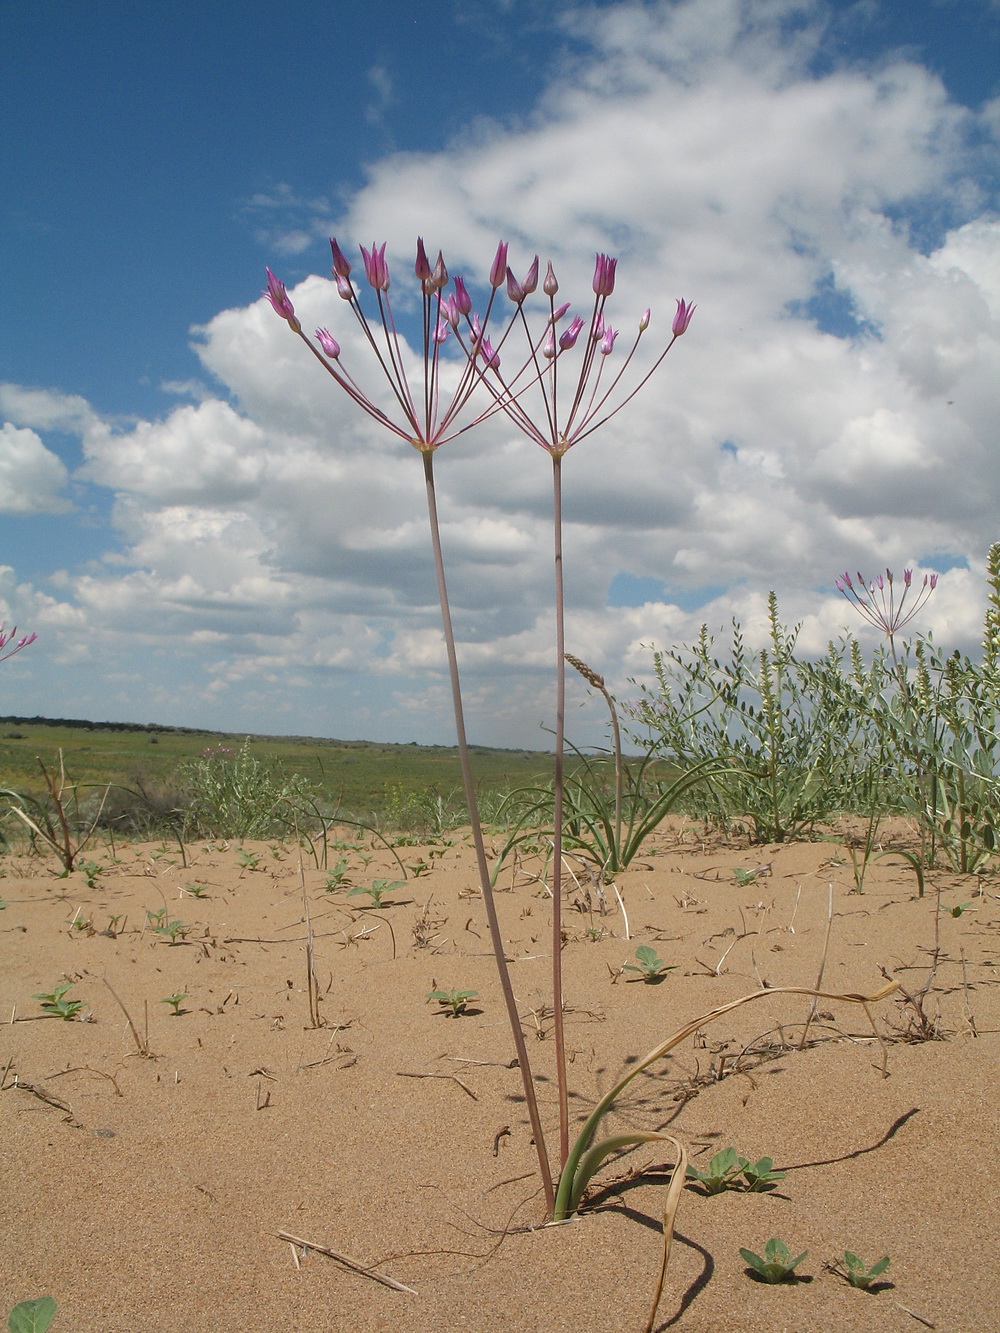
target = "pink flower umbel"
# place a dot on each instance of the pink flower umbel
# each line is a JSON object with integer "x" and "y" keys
{"x": 6, "y": 639}
{"x": 421, "y": 417}
{"x": 573, "y": 398}
{"x": 879, "y": 603}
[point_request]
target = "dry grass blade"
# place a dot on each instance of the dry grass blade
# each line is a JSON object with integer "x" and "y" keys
{"x": 674, "y": 1190}
{"x": 353, "y": 1264}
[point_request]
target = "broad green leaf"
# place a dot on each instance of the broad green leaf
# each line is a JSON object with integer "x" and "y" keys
{"x": 32, "y": 1316}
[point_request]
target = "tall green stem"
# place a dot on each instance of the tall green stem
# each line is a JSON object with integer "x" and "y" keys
{"x": 557, "y": 819}
{"x": 480, "y": 847}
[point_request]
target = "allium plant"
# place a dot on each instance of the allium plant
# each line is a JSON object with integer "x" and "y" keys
{"x": 565, "y": 387}
{"x": 882, "y": 604}
{"x": 557, "y": 403}
{"x": 7, "y": 639}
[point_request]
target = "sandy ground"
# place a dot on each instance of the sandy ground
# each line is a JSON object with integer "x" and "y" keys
{"x": 145, "y": 1188}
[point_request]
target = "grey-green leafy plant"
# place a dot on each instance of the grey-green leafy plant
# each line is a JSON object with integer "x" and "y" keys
{"x": 453, "y": 1002}
{"x": 377, "y": 890}
{"x": 175, "y": 1001}
{"x": 760, "y": 1175}
{"x": 726, "y": 1168}
{"x": 196, "y": 890}
{"x": 855, "y": 1271}
{"x": 338, "y": 878}
{"x": 54, "y": 1002}
{"x": 90, "y": 871}
{"x": 777, "y": 1264}
{"x": 32, "y": 1316}
{"x": 171, "y": 929}
{"x": 744, "y": 877}
{"x": 235, "y": 795}
{"x": 722, "y": 1171}
{"x": 649, "y": 964}
{"x": 249, "y": 860}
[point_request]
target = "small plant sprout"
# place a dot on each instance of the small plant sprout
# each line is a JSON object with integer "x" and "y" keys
{"x": 853, "y": 1270}
{"x": 31, "y": 1316}
{"x": 337, "y": 878}
{"x": 90, "y": 870}
{"x": 722, "y": 1171}
{"x": 649, "y": 964}
{"x": 777, "y": 1264}
{"x": 959, "y": 908}
{"x": 172, "y": 930}
{"x": 760, "y": 1175}
{"x": 249, "y": 860}
{"x": 453, "y": 1002}
{"x": 196, "y": 890}
{"x": 175, "y": 1001}
{"x": 377, "y": 890}
{"x": 54, "y": 1002}
{"x": 744, "y": 877}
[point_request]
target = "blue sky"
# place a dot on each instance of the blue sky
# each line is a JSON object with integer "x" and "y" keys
{"x": 193, "y": 549}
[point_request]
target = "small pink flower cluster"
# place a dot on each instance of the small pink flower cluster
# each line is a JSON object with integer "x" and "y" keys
{"x": 6, "y": 639}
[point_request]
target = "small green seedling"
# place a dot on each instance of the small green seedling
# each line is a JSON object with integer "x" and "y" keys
{"x": 419, "y": 868}
{"x": 337, "y": 878}
{"x": 196, "y": 890}
{"x": 853, "y": 1269}
{"x": 377, "y": 890}
{"x": 2, "y": 904}
{"x": 777, "y": 1264}
{"x": 959, "y": 908}
{"x": 55, "y": 1003}
{"x": 90, "y": 870}
{"x": 176, "y": 1001}
{"x": 650, "y": 965}
{"x": 156, "y": 918}
{"x": 453, "y": 1002}
{"x": 112, "y": 927}
{"x": 249, "y": 860}
{"x": 759, "y": 1175}
{"x": 32, "y": 1316}
{"x": 172, "y": 930}
{"x": 722, "y": 1171}
{"x": 744, "y": 877}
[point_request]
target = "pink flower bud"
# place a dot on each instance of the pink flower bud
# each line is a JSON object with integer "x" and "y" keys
{"x": 514, "y": 289}
{"x": 441, "y": 331}
{"x": 531, "y": 278}
{"x": 376, "y": 269}
{"x": 462, "y": 298}
{"x": 422, "y": 268}
{"x": 558, "y": 313}
{"x": 550, "y": 286}
{"x": 477, "y": 332}
{"x": 682, "y": 318}
{"x": 644, "y": 322}
{"x": 328, "y": 343}
{"x": 440, "y": 275}
{"x": 549, "y": 346}
{"x": 569, "y": 336}
{"x": 344, "y": 288}
{"x": 604, "y": 275}
{"x": 498, "y": 272}
{"x": 490, "y": 357}
{"x": 597, "y": 331}
{"x": 908, "y": 578}
{"x": 608, "y": 341}
{"x": 341, "y": 267}
{"x": 933, "y": 585}
{"x": 450, "y": 311}
{"x": 280, "y": 304}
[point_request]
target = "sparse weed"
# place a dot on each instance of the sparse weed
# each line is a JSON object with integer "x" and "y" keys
{"x": 853, "y": 1270}
{"x": 777, "y": 1264}
{"x": 649, "y": 964}
{"x": 377, "y": 890}
{"x": 54, "y": 1002}
{"x": 454, "y": 1003}
{"x": 196, "y": 890}
{"x": 249, "y": 860}
{"x": 726, "y": 1168}
{"x": 90, "y": 871}
{"x": 175, "y": 1001}
{"x": 337, "y": 878}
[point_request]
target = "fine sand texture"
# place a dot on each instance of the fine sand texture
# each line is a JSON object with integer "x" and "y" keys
{"x": 152, "y": 1161}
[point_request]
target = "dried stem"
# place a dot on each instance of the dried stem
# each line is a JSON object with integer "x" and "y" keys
{"x": 557, "y": 817}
